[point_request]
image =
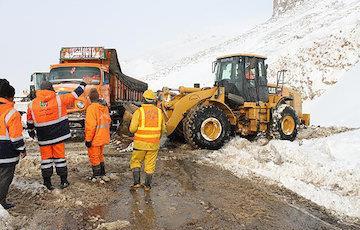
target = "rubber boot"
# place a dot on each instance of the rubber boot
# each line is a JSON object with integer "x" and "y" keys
{"x": 64, "y": 183}
{"x": 147, "y": 184}
{"x": 47, "y": 183}
{"x": 7, "y": 205}
{"x": 136, "y": 177}
{"x": 102, "y": 169}
{"x": 103, "y": 173}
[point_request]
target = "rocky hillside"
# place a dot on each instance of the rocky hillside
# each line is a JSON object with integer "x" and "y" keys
{"x": 316, "y": 41}
{"x": 281, "y": 6}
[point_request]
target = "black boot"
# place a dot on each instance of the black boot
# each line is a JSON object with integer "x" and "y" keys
{"x": 96, "y": 171}
{"x": 147, "y": 184}
{"x": 136, "y": 177}
{"x": 7, "y": 205}
{"x": 102, "y": 169}
{"x": 64, "y": 183}
{"x": 47, "y": 183}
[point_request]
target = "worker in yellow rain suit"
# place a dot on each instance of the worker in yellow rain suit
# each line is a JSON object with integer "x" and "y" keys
{"x": 97, "y": 133}
{"x": 148, "y": 125}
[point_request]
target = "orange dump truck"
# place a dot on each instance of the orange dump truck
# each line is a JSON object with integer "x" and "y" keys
{"x": 100, "y": 69}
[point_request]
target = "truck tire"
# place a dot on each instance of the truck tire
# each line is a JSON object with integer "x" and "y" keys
{"x": 285, "y": 123}
{"x": 206, "y": 126}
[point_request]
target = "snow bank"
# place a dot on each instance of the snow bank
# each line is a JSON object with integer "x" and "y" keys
{"x": 340, "y": 105}
{"x": 324, "y": 170}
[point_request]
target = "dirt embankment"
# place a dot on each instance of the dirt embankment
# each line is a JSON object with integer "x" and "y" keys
{"x": 185, "y": 195}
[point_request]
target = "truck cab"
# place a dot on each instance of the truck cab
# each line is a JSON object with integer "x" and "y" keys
{"x": 35, "y": 81}
{"x": 100, "y": 69}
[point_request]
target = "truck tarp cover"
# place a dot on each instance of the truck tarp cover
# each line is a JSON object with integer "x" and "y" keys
{"x": 130, "y": 82}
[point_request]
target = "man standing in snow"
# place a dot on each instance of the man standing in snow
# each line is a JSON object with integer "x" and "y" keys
{"x": 48, "y": 116}
{"x": 11, "y": 140}
{"x": 97, "y": 133}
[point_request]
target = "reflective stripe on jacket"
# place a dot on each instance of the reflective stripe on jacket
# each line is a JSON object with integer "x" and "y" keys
{"x": 97, "y": 124}
{"x": 47, "y": 114}
{"x": 147, "y": 124}
{"x": 11, "y": 139}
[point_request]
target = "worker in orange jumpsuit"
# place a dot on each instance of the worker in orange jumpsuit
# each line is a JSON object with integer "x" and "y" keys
{"x": 148, "y": 125}
{"x": 97, "y": 132}
{"x": 12, "y": 144}
{"x": 47, "y": 115}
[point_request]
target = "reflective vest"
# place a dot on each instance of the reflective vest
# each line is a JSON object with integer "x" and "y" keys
{"x": 150, "y": 124}
{"x": 11, "y": 139}
{"x": 47, "y": 114}
{"x": 97, "y": 124}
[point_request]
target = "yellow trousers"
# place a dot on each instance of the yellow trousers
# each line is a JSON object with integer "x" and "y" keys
{"x": 147, "y": 156}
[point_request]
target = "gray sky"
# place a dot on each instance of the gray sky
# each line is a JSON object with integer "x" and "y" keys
{"x": 32, "y": 32}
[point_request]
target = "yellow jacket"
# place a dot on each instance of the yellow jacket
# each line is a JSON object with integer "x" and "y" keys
{"x": 134, "y": 125}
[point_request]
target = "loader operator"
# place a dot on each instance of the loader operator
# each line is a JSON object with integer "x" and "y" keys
{"x": 148, "y": 125}
{"x": 12, "y": 144}
{"x": 47, "y": 115}
{"x": 97, "y": 133}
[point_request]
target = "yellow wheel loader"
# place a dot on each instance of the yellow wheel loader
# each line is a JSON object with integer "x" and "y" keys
{"x": 241, "y": 102}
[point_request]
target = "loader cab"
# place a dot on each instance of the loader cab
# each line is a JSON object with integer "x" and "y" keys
{"x": 243, "y": 75}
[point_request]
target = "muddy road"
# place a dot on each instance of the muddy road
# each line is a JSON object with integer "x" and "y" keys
{"x": 185, "y": 195}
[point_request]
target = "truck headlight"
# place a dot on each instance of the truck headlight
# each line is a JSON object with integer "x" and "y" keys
{"x": 80, "y": 104}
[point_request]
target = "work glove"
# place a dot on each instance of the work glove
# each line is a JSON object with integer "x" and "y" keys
{"x": 83, "y": 83}
{"x": 88, "y": 144}
{"x": 32, "y": 134}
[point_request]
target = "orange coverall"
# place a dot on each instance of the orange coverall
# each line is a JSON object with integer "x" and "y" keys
{"x": 97, "y": 131}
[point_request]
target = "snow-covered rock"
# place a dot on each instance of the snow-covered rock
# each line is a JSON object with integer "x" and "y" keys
{"x": 323, "y": 170}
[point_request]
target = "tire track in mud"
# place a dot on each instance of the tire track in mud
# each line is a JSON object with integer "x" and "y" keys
{"x": 185, "y": 195}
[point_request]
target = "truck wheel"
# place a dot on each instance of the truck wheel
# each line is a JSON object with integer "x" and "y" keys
{"x": 207, "y": 126}
{"x": 285, "y": 123}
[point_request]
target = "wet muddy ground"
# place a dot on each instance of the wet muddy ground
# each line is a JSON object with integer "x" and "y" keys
{"x": 185, "y": 195}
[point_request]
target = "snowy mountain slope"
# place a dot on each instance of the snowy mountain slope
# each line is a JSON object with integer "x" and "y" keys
{"x": 340, "y": 105}
{"x": 323, "y": 170}
{"x": 317, "y": 41}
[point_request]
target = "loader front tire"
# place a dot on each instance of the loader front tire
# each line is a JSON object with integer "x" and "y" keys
{"x": 206, "y": 126}
{"x": 285, "y": 123}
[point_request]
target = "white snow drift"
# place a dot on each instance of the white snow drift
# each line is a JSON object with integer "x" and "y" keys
{"x": 340, "y": 105}
{"x": 324, "y": 170}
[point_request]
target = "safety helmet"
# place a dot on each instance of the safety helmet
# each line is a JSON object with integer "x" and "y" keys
{"x": 149, "y": 95}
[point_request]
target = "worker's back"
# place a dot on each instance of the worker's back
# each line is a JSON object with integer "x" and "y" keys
{"x": 97, "y": 124}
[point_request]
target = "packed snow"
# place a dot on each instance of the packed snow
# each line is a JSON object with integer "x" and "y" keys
{"x": 323, "y": 170}
{"x": 340, "y": 105}
{"x": 5, "y": 219}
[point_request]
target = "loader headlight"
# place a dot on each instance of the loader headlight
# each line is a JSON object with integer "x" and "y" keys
{"x": 80, "y": 104}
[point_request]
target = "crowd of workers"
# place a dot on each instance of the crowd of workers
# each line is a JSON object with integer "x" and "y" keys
{"x": 47, "y": 120}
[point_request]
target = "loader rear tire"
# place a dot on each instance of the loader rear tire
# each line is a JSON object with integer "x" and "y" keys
{"x": 206, "y": 126}
{"x": 285, "y": 123}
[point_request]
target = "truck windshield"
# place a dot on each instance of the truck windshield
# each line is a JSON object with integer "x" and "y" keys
{"x": 91, "y": 75}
